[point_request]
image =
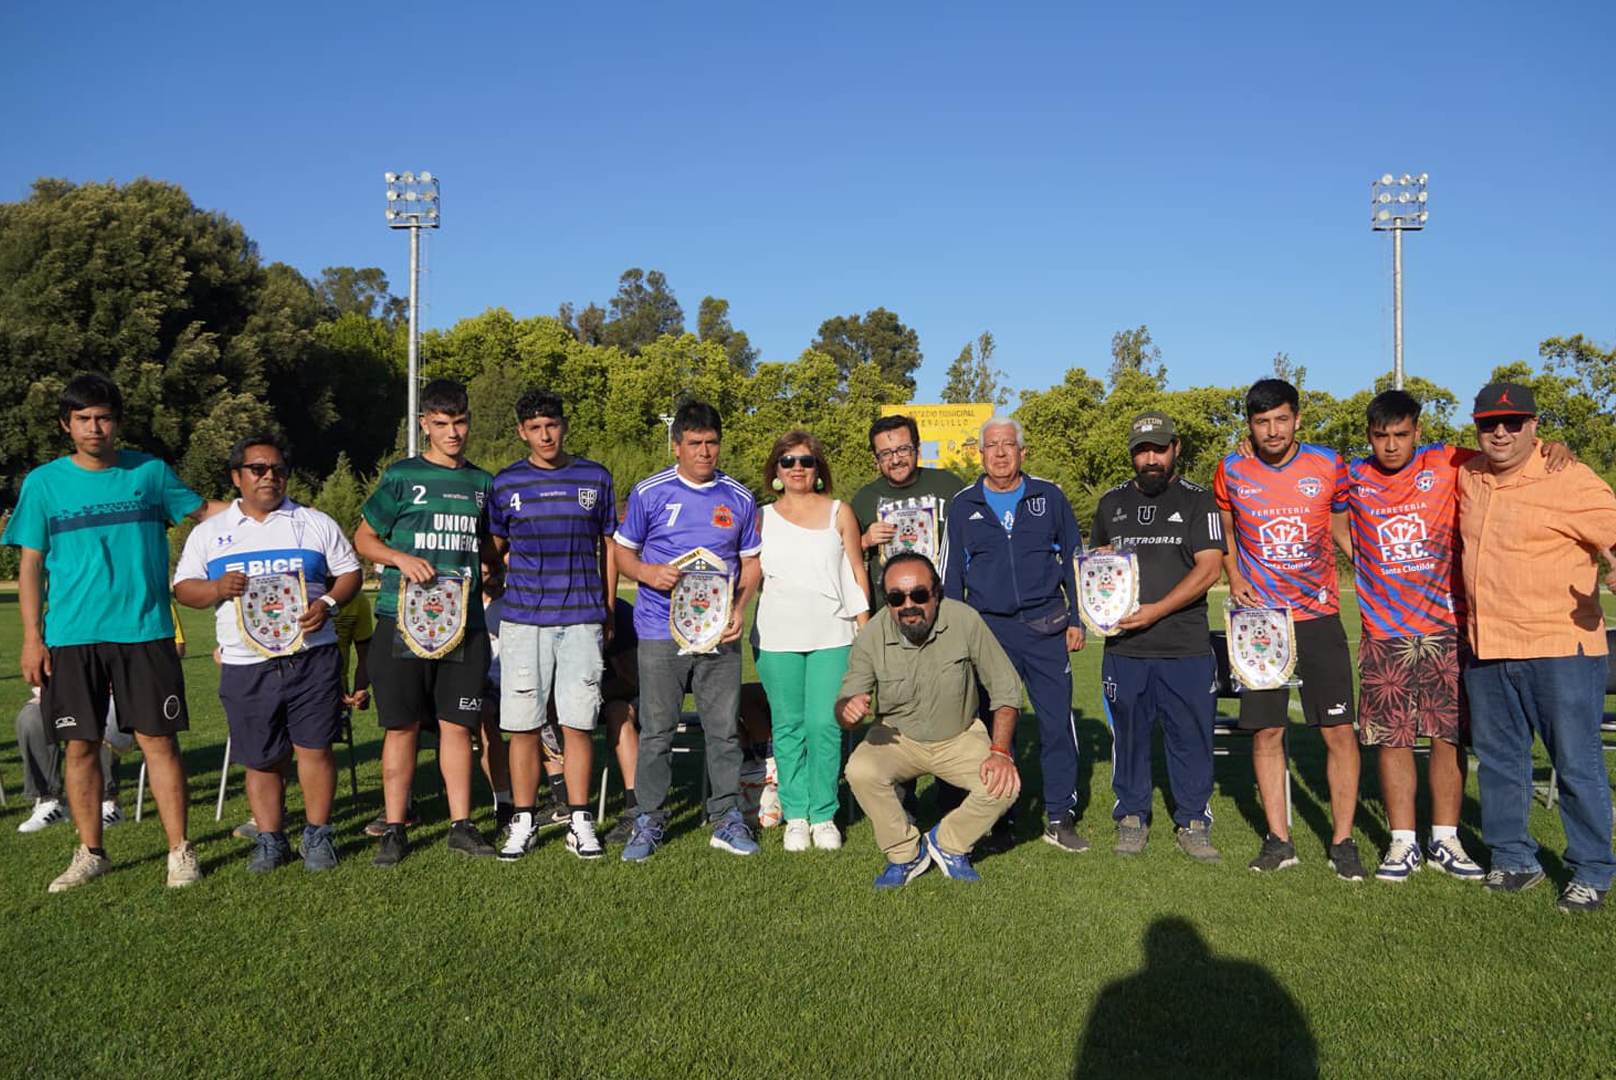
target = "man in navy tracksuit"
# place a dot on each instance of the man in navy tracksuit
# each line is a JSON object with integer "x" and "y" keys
{"x": 1011, "y": 541}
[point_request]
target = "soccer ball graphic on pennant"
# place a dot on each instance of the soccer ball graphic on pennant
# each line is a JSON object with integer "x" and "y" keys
{"x": 269, "y": 613}
{"x": 699, "y": 603}
{"x": 432, "y": 617}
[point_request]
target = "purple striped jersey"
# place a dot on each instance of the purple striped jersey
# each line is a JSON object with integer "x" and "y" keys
{"x": 555, "y": 521}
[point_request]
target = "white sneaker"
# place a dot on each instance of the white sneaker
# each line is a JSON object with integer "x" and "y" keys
{"x": 797, "y": 835}
{"x": 581, "y": 838}
{"x": 46, "y": 812}
{"x": 520, "y": 835}
{"x": 827, "y": 837}
{"x": 182, "y": 866}
{"x": 83, "y": 867}
{"x": 111, "y": 813}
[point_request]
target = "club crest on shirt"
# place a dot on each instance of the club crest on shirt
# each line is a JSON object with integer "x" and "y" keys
{"x": 1310, "y": 486}
{"x": 586, "y": 498}
{"x": 480, "y": 497}
{"x": 723, "y": 517}
{"x": 1245, "y": 491}
{"x": 1035, "y": 506}
{"x": 1426, "y": 480}
{"x": 1147, "y": 514}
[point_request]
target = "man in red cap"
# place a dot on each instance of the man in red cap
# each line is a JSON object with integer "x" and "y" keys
{"x": 1531, "y": 544}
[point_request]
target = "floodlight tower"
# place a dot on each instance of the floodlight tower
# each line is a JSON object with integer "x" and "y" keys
{"x": 412, "y": 203}
{"x": 1397, "y": 203}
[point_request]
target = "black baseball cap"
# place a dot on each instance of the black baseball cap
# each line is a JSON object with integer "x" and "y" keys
{"x": 1152, "y": 427}
{"x": 1504, "y": 399}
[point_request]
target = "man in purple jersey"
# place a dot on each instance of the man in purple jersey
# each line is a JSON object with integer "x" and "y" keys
{"x": 669, "y": 515}
{"x": 553, "y": 512}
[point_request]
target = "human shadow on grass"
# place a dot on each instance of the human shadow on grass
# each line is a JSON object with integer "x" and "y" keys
{"x": 1188, "y": 1013}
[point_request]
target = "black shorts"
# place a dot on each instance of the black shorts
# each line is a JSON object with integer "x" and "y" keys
{"x": 410, "y": 690}
{"x": 1324, "y": 665}
{"x": 282, "y": 702}
{"x": 144, "y": 678}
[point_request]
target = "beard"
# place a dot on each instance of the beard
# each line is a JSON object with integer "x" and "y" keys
{"x": 915, "y": 631}
{"x": 1152, "y": 481}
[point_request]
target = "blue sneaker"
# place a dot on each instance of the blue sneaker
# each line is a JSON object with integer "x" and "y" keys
{"x": 1448, "y": 856}
{"x": 903, "y": 873}
{"x": 957, "y": 867}
{"x": 732, "y": 835}
{"x": 316, "y": 848}
{"x": 270, "y": 850}
{"x": 644, "y": 840}
{"x": 1402, "y": 861}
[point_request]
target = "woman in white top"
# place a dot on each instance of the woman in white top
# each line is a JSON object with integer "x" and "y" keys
{"x": 813, "y": 603}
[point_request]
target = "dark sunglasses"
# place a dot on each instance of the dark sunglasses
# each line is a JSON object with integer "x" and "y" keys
{"x": 921, "y": 595}
{"x": 1511, "y": 424}
{"x": 259, "y": 468}
{"x": 791, "y": 461}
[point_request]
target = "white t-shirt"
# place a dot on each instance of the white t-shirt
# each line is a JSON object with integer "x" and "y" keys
{"x": 293, "y": 538}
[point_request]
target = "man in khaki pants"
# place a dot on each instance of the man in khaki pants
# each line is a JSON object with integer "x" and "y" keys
{"x": 915, "y": 668}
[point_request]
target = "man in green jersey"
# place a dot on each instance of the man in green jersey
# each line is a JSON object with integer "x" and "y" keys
{"x": 902, "y": 486}
{"x": 428, "y": 521}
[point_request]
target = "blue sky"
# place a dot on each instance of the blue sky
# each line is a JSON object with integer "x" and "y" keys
{"x": 1052, "y": 173}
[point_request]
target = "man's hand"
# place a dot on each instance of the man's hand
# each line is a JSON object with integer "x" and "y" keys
{"x": 36, "y": 662}
{"x": 1075, "y": 637}
{"x": 732, "y": 629}
{"x": 415, "y": 568}
{"x": 1557, "y": 455}
{"x": 314, "y": 617}
{"x": 1241, "y": 592}
{"x": 853, "y": 710}
{"x": 660, "y": 576}
{"x": 1145, "y": 616}
{"x": 878, "y": 533}
{"x": 999, "y": 773}
{"x": 1244, "y": 448}
{"x": 1608, "y": 553}
{"x": 231, "y": 585}
{"x": 359, "y": 699}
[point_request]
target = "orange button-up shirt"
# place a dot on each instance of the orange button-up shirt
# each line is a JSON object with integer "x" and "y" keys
{"x": 1530, "y": 573}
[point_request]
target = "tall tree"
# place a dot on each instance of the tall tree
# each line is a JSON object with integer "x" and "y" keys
{"x": 587, "y": 327}
{"x": 712, "y": 324}
{"x": 643, "y": 310}
{"x": 344, "y": 289}
{"x": 877, "y": 337}
{"x": 1133, "y": 350}
{"x": 972, "y": 376}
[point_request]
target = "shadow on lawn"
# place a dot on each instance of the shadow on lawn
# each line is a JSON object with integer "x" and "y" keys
{"x": 1188, "y": 1013}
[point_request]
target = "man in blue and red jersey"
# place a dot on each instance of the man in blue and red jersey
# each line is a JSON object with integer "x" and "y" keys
{"x": 554, "y": 513}
{"x": 669, "y": 515}
{"x": 1278, "y": 509}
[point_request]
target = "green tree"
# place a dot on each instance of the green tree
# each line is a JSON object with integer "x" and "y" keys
{"x": 879, "y": 337}
{"x": 643, "y": 310}
{"x": 972, "y": 378}
{"x": 1133, "y": 350}
{"x": 342, "y": 495}
{"x": 344, "y": 290}
{"x": 712, "y": 324}
{"x": 587, "y": 327}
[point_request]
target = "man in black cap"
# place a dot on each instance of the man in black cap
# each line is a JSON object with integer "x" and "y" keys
{"x": 1531, "y": 544}
{"x": 1161, "y": 664}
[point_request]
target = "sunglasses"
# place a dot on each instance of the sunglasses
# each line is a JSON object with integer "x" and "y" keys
{"x": 921, "y": 595}
{"x": 1511, "y": 424}
{"x": 791, "y": 461}
{"x": 259, "y": 468}
{"x": 896, "y": 451}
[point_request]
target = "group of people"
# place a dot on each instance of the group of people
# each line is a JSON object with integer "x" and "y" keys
{"x": 923, "y": 607}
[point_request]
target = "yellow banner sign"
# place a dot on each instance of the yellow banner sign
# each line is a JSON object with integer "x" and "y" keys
{"x": 948, "y": 433}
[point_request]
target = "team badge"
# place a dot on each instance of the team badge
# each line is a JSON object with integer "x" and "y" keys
{"x": 916, "y": 531}
{"x": 1426, "y": 480}
{"x": 1035, "y": 506}
{"x": 432, "y": 617}
{"x": 1147, "y": 513}
{"x": 1262, "y": 646}
{"x": 586, "y": 498}
{"x": 268, "y": 613}
{"x": 699, "y": 605}
{"x": 1107, "y": 590}
{"x": 723, "y": 517}
{"x": 1310, "y": 486}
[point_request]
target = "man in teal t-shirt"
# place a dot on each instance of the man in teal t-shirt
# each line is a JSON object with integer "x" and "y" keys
{"x": 427, "y": 519}
{"x": 93, "y": 529}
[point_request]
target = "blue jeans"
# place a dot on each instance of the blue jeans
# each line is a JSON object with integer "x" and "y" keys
{"x": 1560, "y": 699}
{"x": 715, "y": 680}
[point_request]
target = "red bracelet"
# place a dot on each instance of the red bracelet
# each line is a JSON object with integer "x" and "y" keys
{"x": 1002, "y": 752}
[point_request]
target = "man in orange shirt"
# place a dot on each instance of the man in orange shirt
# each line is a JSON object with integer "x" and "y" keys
{"x": 1531, "y": 542}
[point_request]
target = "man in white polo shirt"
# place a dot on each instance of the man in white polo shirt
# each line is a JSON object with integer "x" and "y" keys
{"x": 275, "y": 702}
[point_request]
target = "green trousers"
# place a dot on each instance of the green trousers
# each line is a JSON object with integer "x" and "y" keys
{"x": 802, "y": 688}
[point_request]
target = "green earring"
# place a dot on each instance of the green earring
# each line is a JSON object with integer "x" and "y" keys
{"x": 779, "y": 484}
{"x": 819, "y": 484}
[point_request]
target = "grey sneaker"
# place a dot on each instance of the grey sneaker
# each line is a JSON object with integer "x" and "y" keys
{"x": 1512, "y": 880}
{"x": 318, "y": 852}
{"x": 182, "y": 866}
{"x": 622, "y": 830}
{"x": 1276, "y": 854}
{"x": 1131, "y": 834}
{"x": 85, "y": 865}
{"x": 248, "y": 830}
{"x": 1064, "y": 835}
{"x": 1579, "y": 898}
{"x": 1346, "y": 863}
{"x": 270, "y": 851}
{"x": 1195, "y": 840}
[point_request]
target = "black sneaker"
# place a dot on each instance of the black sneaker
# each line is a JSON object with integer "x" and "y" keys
{"x": 1276, "y": 854}
{"x": 1578, "y": 898}
{"x": 622, "y": 830}
{"x": 465, "y": 839}
{"x": 377, "y": 826}
{"x": 1063, "y": 834}
{"x": 394, "y": 846}
{"x": 1345, "y": 862}
{"x": 1511, "y": 880}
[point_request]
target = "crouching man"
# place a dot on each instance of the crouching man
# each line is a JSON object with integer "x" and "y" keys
{"x": 915, "y": 668}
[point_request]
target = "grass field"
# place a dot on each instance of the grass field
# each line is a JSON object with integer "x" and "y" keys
{"x": 699, "y": 964}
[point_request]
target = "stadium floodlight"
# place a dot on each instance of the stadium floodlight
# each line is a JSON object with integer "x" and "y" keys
{"x": 1395, "y": 204}
{"x": 413, "y": 204}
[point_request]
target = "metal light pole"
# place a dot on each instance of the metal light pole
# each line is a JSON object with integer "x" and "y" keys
{"x": 412, "y": 203}
{"x": 1395, "y": 204}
